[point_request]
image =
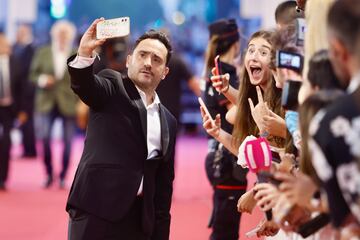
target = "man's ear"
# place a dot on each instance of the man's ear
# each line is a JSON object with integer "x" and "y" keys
{"x": 166, "y": 71}
{"x": 339, "y": 50}
{"x": 128, "y": 59}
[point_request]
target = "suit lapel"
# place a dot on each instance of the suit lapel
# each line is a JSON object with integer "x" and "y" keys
{"x": 165, "y": 138}
{"x": 134, "y": 95}
{"x": 143, "y": 115}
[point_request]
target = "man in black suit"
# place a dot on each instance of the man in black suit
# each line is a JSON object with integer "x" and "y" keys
{"x": 123, "y": 185}
{"x": 23, "y": 51}
{"x": 11, "y": 105}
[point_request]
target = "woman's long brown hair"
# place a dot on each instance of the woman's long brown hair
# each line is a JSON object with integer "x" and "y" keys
{"x": 244, "y": 122}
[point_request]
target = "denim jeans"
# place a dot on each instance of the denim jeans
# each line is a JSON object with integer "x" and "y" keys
{"x": 68, "y": 129}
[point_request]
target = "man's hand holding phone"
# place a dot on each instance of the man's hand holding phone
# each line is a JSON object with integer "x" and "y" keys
{"x": 99, "y": 31}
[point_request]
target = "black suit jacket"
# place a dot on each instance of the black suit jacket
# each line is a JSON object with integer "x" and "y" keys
{"x": 17, "y": 87}
{"x": 115, "y": 151}
{"x": 22, "y": 56}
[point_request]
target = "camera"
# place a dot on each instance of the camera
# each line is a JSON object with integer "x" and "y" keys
{"x": 300, "y": 31}
{"x": 289, "y": 97}
{"x": 312, "y": 226}
{"x": 288, "y": 60}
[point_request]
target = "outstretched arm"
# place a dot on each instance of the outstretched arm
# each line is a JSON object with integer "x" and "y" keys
{"x": 92, "y": 89}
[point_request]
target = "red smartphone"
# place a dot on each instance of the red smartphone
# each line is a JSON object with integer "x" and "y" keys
{"x": 217, "y": 65}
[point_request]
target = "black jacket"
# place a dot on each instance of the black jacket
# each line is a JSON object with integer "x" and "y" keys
{"x": 115, "y": 151}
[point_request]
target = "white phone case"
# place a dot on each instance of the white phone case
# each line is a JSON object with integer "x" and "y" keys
{"x": 111, "y": 28}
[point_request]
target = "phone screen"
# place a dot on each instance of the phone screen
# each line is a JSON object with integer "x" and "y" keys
{"x": 289, "y": 60}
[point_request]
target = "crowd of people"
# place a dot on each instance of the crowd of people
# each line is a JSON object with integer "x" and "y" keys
{"x": 299, "y": 94}
{"x": 292, "y": 96}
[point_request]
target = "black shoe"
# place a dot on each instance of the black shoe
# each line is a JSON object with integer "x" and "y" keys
{"x": 48, "y": 182}
{"x": 2, "y": 186}
{"x": 29, "y": 155}
{"x": 62, "y": 184}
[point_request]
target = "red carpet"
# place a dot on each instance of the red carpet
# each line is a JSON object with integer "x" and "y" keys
{"x": 27, "y": 212}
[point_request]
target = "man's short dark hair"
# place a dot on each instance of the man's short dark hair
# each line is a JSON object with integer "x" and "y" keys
{"x": 286, "y": 13}
{"x": 344, "y": 21}
{"x": 158, "y": 35}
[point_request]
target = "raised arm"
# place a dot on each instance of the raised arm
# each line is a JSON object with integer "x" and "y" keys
{"x": 92, "y": 89}
{"x": 222, "y": 85}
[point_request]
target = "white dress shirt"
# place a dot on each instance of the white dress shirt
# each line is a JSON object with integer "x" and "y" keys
{"x": 153, "y": 117}
{"x": 6, "y": 98}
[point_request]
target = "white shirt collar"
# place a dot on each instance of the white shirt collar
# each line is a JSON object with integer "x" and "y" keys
{"x": 354, "y": 83}
{"x": 155, "y": 103}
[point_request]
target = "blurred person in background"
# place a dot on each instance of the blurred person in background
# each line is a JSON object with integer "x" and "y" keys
{"x": 54, "y": 97}
{"x": 112, "y": 55}
{"x": 170, "y": 90}
{"x": 23, "y": 51}
{"x": 315, "y": 36}
{"x": 12, "y": 97}
{"x": 227, "y": 178}
{"x": 286, "y": 13}
{"x": 336, "y": 130}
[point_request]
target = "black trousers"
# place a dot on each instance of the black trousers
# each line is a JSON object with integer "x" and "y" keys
{"x": 28, "y": 137}
{"x": 84, "y": 226}
{"x": 225, "y": 219}
{"x": 6, "y": 121}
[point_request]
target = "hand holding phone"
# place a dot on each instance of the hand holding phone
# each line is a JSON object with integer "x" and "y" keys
{"x": 252, "y": 232}
{"x": 202, "y": 104}
{"x": 111, "y": 28}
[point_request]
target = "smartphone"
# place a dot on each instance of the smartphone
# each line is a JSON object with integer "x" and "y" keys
{"x": 289, "y": 95}
{"x": 267, "y": 177}
{"x": 217, "y": 65}
{"x": 275, "y": 156}
{"x": 206, "y": 111}
{"x": 313, "y": 225}
{"x": 252, "y": 232}
{"x": 112, "y": 28}
{"x": 289, "y": 60}
{"x": 300, "y": 31}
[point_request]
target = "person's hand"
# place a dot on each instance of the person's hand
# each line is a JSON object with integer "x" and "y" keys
{"x": 212, "y": 127}
{"x": 88, "y": 42}
{"x": 287, "y": 162}
{"x": 350, "y": 230}
{"x": 267, "y": 228}
{"x": 220, "y": 82}
{"x": 246, "y": 202}
{"x": 266, "y": 195}
{"x": 274, "y": 124}
{"x": 22, "y": 117}
{"x": 298, "y": 189}
{"x": 259, "y": 111}
{"x": 295, "y": 218}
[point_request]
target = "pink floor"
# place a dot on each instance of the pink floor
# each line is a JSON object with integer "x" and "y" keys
{"x": 27, "y": 212}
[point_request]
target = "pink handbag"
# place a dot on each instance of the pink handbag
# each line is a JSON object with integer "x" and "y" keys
{"x": 258, "y": 155}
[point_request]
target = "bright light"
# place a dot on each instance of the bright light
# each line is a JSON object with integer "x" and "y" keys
{"x": 178, "y": 18}
{"x": 58, "y": 8}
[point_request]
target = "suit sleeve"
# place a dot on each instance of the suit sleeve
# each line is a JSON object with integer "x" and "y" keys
{"x": 163, "y": 194}
{"x": 93, "y": 90}
{"x": 35, "y": 67}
